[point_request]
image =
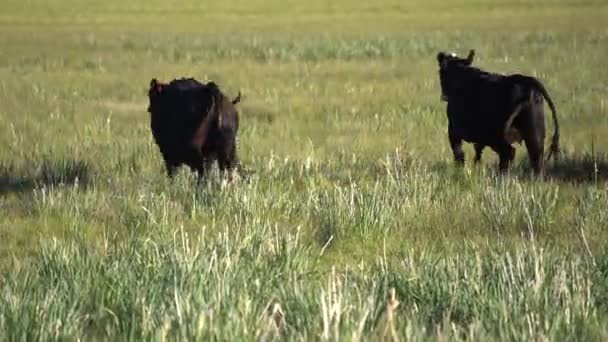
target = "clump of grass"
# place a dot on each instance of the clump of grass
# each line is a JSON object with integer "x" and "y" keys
{"x": 507, "y": 206}
{"x": 225, "y": 286}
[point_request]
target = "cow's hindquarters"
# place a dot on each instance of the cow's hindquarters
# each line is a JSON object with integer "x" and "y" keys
{"x": 532, "y": 127}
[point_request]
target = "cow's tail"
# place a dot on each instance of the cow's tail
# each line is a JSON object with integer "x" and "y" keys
{"x": 224, "y": 120}
{"x": 216, "y": 101}
{"x": 202, "y": 132}
{"x": 554, "y": 148}
{"x": 512, "y": 117}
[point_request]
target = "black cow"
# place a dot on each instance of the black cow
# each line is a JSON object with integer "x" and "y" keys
{"x": 494, "y": 110}
{"x": 193, "y": 124}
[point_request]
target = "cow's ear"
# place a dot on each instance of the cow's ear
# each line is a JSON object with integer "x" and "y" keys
{"x": 440, "y": 57}
{"x": 237, "y": 99}
{"x": 156, "y": 86}
{"x": 470, "y": 57}
{"x": 212, "y": 85}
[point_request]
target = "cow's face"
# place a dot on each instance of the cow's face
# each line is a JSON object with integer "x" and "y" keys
{"x": 447, "y": 64}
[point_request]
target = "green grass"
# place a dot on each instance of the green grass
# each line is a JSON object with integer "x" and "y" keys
{"x": 351, "y": 193}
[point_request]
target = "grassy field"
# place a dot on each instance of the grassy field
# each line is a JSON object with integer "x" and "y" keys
{"x": 352, "y": 203}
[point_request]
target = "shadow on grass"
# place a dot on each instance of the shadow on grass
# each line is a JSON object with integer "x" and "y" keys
{"x": 584, "y": 168}
{"x": 45, "y": 172}
{"x": 570, "y": 168}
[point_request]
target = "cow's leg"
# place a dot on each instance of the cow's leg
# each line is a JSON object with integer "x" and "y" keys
{"x": 533, "y": 131}
{"x": 171, "y": 168}
{"x": 455, "y": 135}
{"x": 506, "y": 154}
{"x": 535, "y": 147}
{"x": 456, "y": 145}
{"x": 203, "y": 167}
{"x": 171, "y": 164}
{"x": 227, "y": 160}
{"x": 199, "y": 163}
{"x": 478, "y": 151}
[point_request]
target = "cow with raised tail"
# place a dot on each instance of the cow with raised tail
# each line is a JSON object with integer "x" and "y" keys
{"x": 489, "y": 109}
{"x": 193, "y": 124}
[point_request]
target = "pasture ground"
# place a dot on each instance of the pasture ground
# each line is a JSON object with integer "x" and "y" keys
{"x": 351, "y": 191}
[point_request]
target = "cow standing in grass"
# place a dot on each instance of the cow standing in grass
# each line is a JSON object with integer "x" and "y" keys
{"x": 494, "y": 110}
{"x": 193, "y": 124}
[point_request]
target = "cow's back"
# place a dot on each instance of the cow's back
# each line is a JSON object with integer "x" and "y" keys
{"x": 176, "y": 114}
{"x": 481, "y": 110}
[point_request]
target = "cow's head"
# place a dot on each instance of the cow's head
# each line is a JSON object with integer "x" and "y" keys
{"x": 156, "y": 88}
{"x": 447, "y": 63}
